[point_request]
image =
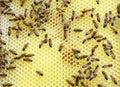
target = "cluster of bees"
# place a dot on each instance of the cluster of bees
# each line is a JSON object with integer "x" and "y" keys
{"x": 41, "y": 15}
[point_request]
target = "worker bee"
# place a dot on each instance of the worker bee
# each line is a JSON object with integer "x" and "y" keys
{"x": 107, "y": 65}
{"x": 36, "y": 33}
{"x": 76, "y": 79}
{"x": 7, "y": 84}
{"x": 2, "y": 42}
{"x": 105, "y": 75}
{"x": 89, "y": 32}
{"x": 86, "y": 65}
{"x": 109, "y": 44}
{"x": 112, "y": 54}
{"x": 114, "y": 30}
{"x": 37, "y": 2}
{"x": 18, "y": 25}
{"x": 10, "y": 67}
{"x": 25, "y": 46}
{"x": 46, "y": 38}
{"x": 29, "y": 55}
{"x": 22, "y": 17}
{"x": 113, "y": 79}
{"x": 73, "y": 15}
{"x": 65, "y": 33}
{"x": 69, "y": 82}
{"x": 12, "y": 61}
{"x": 113, "y": 21}
{"x": 61, "y": 47}
{"x": 100, "y": 85}
{"x": 85, "y": 10}
{"x": 75, "y": 50}
{"x": 97, "y": 1}
{"x": 78, "y": 30}
{"x": 21, "y": 56}
{"x": 93, "y": 49}
{"x": 95, "y": 24}
{"x": 27, "y": 59}
{"x": 94, "y": 34}
{"x": 110, "y": 15}
{"x": 105, "y": 20}
{"x": 98, "y": 37}
{"x": 41, "y": 43}
{"x": 3, "y": 74}
{"x": 17, "y": 34}
{"x": 22, "y": 2}
{"x": 25, "y": 13}
{"x": 94, "y": 59}
{"x": 28, "y": 23}
{"x": 98, "y": 17}
{"x": 83, "y": 56}
{"x": 86, "y": 40}
{"x": 13, "y": 52}
{"x": 101, "y": 39}
{"x": 30, "y": 31}
{"x": 50, "y": 42}
{"x": 92, "y": 12}
{"x": 93, "y": 75}
{"x": 87, "y": 70}
{"x": 79, "y": 16}
{"x": 31, "y": 14}
{"x": 96, "y": 68}
{"x": 83, "y": 84}
{"x": 81, "y": 74}
{"x": 39, "y": 72}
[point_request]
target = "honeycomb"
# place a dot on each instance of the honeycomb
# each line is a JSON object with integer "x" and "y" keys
{"x": 59, "y": 66}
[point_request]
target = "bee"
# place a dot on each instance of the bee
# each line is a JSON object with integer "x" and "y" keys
{"x": 94, "y": 34}
{"x": 47, "y": 4}
{"x": 100, "y": 85}
{"x": 22, "y": 17}
{"x": 39, "y": 72}
{"x": 86, "y": 40}
{"x": 113, "y": 21}
{"x": 10, "y": 67}
{"x": 28, "y": 23}
{"x": 105, "y": 75}
{"x": 73, "y": 15}
{"x": 46, "y": 38}
{"x": 94, "y": 59}
{"x": 36, "y": 33}
{"x": 83, "y": 56}
{"x": 10, "y": 13}
{"x": 37, "y": 2}
{"x": 87, "y": 70}
{"x": 15, "y": 18}
{"x": 27, "y": 59}
{"x": 105, "y": 20}
{"x": 93, "y": 75}
{"x": 25, "y": 13}
{"x": 75, "y": 50}
{"x": 98, "y": 17}
{"x": 89, "y": 32}
{"x": 13, "y": 52}
{"x": 69, "y": 82}
{"x": 98, "y": 37}
{"x": 92, "y": 12}
{"x": 113, "y": 79}
{"x": 61, "y": 47}
{"x": 106, "y": 50}
{"x": 12, "y": 61}
{"x": 83, "y": 84}
{"x": 41, "y": 43}
{"x": 76, "y": 79}
{"x": 18, "y": 25}
{"x": 110, "y": 15}
{"x": 7, "y": 84}
{"x": 33, "y": 7}
{"x": 94, "y": 48}
{"x": 30, "y": 31}
{"x": 114, "y": 30}
{"x": 86, "y": 65}
{"x": 31, "y": 14}
{"x": 21, "y": 56}
{"x": 79, "y": 16}
{"x": 3, "y": 74}
{"x": 112, "y": 54}
{"x": 96, "y": 68}
{"x": 17, "y": 34}
{"x": 9, "y": 31}
{"x": 78, "y": 30}
{"x": 60, "y": 10}
{"x": 81, "y": 74}
{"x": 97, "y": 1}
{"x": 85, "y": 10}
{"x": 101, "y": 39}
{"x": 50, "y": 42}
{"x": 25, "y": 46}
{"x": 29, "y": 55}
{"x": 95, "y": 24}
{"x": 65, "y": 33}
{"x": 2, "y": 42}
{"x": 107, "y": 65}
{"x": 22, "y": 2}
{"x": 109, "y": 44}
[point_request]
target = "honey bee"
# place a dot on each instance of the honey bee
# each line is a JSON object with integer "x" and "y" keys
{"x": 29, "y": 55}
{"x": 30, "y": 31}
{"x": 81, "y": 74}
{"x": 21, "y": 56}
{"x": 76, "y": 79}
{"x": 110, "y": 15}
{"x": 83, "y": 84}
{"x": 86, "y": 65}
{"x": 79, "y": 16}
{"x": 37, "y": 2}
{"x": 114, "y": 30}
{"x": 95, "y": 24}
{"x": 31, "y": 14}
{"x": 78, "y": 30}
{"x": 22, "y": 17}
{"x": 89, "y": 32}
{"x": 100, "y": 85}
{"x": 112, "y": 54}
{"x": 113, "y": 79}
{"x": 92, "y": 12}
{"x": 87, "y": 70}
{"x": 73, "y": 15}
{"x": 25, "y": 46}
{"x": 15, "y": 18}
{"x": 105, "y": 75}
{"x": 97, "y": 1}
{"x": 10, "y": 13}
{"x": 101, "y": 39}
{"x": 85, "y": 10}
{"x": 33, "y": 7}
{"x": 105, "y": 20}
{"x": 10, "y": 67}
{"x": 13, "y": 52}
{"x": 60, "y": 10}
{"x": 94, "y": 34}
{"x": 98, "y": 37}
{"x": 109, "y": 44}
{"x": 94, "y": 59}
{"x": 94, "y": 48}
{"x": 87, "y": 39}
{"x": 96, "y": 68}
{"x": 93, "y": 76}
{"x": 12, "y": 61}
{"x": 46, "y": 38}
{"x": 106, "y": 50}
{"x": 17, "y": 34}
{"x": 28, "y": 23}
{"x": 39, "y": 72}
{"x": 50, "y": 42}
{"x": 98, "y": 17}
{"x": 22, "y": 2}
{"x": 41, "y": 43}
{"x": 118, "y": 10}
{"x": 65, "y": 33}
{"x": 83, "y": 56}
{"x": 113, "y": 21}
{"x": 7, "y": 84}
{"x": 61, "y": 47}
{"x": 3, "y": 74}
{"x": 107, "y": 65}
{"x": 9, "y": 31}
{"x": 27, "y": 59}
{"x": 75, "y": 50}
{"x": 18, "y": 25}
{"x": 69, "y": 82}
{"x": 25, "y": 13}
{"x": 2, "y": 42}
{"x": 36, "y": 33}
